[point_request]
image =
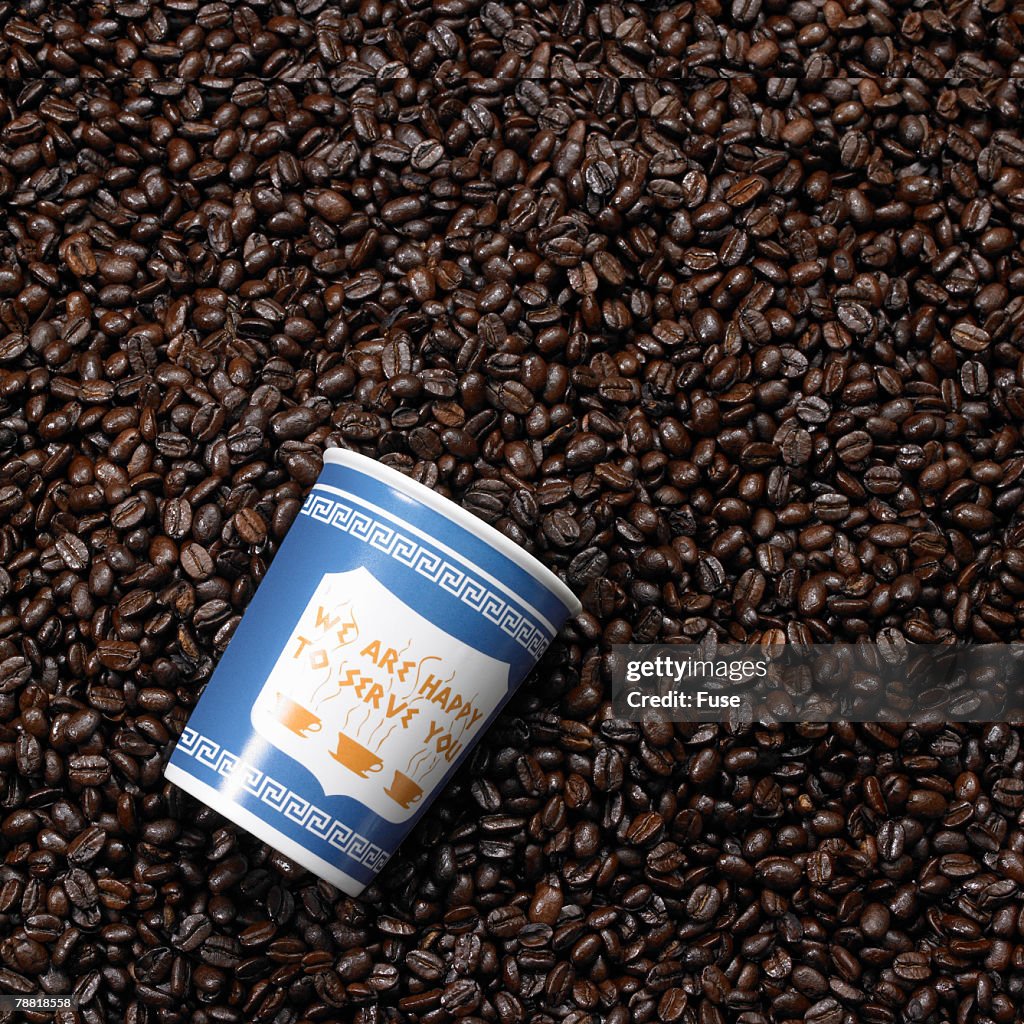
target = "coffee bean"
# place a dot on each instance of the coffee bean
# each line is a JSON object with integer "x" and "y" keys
{"x": 607, "y": 771}
{"x": 251, "y": 526}
{"x": 73, "y": 552}
{"x": 825, "y": 1011}
{"x": 891, "y": 840}
{"x": 196, "y": 561}
{"x": 970, "y": 337}
{"x": 778, "y": 873}
{"x": 704, "y": 903}
{"x": 546, "y": 904}
{"x": 120, "y": 655}
{"x": 794, "y": 443}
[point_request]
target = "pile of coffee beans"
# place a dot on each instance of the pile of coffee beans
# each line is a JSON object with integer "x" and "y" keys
{"x": 717, "y": 308}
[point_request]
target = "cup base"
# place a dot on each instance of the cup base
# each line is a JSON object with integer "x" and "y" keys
{"x": 259, "y": 828}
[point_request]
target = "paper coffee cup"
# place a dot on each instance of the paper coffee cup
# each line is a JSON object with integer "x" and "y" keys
{"x": 387, "y": 635}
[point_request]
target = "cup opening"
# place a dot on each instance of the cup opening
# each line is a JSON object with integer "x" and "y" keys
{"x": 540, "y": 572}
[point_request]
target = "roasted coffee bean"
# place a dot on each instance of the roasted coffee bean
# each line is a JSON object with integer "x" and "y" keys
{"x": 177, "y": 518}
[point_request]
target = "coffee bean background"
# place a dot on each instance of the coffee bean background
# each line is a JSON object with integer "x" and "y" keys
{"x": 716, "y": 308}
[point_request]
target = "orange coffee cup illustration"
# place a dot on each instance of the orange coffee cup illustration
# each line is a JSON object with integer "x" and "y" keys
{"x": 355, "y": 756}
{"x": 296, "y": 717}
{"x": 403, "y": 790}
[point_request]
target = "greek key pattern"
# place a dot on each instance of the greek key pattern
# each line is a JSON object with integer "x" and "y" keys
{"x": 429, "y": 564}
{"x": 283, "y": 800}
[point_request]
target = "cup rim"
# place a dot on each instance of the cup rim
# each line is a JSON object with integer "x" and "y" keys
{"x": 483, "y": 531}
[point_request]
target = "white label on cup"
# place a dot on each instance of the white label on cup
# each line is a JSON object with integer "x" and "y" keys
{"x": 373, "y": 699}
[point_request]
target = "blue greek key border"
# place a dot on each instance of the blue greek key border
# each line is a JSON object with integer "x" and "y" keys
{"x": 285, "y": 801}
{"x": 429, "y": 564}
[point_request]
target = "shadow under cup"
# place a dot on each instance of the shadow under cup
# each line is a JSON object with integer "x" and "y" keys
{"x": 389, "y": 632}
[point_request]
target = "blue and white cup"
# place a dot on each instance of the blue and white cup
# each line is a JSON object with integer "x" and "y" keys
{"x": 389, "y": 632}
